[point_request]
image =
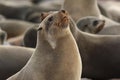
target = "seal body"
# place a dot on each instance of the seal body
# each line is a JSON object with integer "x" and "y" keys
{"x": 15, "y": 27}
{"x": 83, "y": 8}
{"x": 56, "y": 56}
{"x": 110, "y": 9}
{"x": 13, "y": 58}
{"x": 30, "y": 37}
{"x": 96, "y": 51}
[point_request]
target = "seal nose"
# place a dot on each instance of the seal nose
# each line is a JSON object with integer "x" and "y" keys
{"x": 63, "y": 11}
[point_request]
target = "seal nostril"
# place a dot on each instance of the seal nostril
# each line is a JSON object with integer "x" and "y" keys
{"x": 63, "y": 11}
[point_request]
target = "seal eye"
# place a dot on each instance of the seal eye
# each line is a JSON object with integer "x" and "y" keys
{"x": 50, "y": 19}
{"x": 95, "y": 23}
{"x": 39, "y": 29}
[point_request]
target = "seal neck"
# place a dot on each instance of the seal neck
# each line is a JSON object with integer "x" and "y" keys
{"x": 46, "y": 58}
{"x": 81, "y": 8}
{"x": 82, "y": 38}
{"x": 44, "y": 48}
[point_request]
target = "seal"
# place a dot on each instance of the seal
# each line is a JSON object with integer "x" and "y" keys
{"x": 15, "y": 27}
{"x": 22, "y": 12}
{"x": 83, "y": 8}
{"x": 110, "y": 9}
{"x": 56, "y": 56}
{"x": 12, "y": 59}
{"x": 96, "y": 51}
{"x": 96, "y": 26}
{"x": 91, "y": 24}
{"x": 19, "y": 12}
{"x": 16, "y": 41}
{"x": 30, "y": 37}
{"x": 32, "y": 32}
{"x": 3, "y": 36}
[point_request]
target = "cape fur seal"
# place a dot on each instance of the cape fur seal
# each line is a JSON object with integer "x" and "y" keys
{"x": 91, "y": 24}
{"x": 15, "y": 30}
{"x": 83, "y": 8}
{"x": 56, "y": 56}
{"x": 30, "y": 37}
{"x": 12, "y": 59}
{"x": 15, "y": 27}
{"x": 110, "y": 9}
{"x": 17, "y": 12}
{"x": 21, "y": 12}
{"x": 32, "y": 32}
{"x": 99, "y": 53}
{"x": 95, "y": 25}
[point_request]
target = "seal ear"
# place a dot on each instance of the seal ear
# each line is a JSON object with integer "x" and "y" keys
{"x": 100, "y": 27}
{"x": 43, "y": 15}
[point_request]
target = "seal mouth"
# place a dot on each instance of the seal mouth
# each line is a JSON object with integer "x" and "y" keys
{"x": 102, "y": 23}
{"x": 100, "y": 26}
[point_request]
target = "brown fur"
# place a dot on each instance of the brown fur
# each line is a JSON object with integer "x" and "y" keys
{"x": 56, "y": 56}
{"x": 96, "y": 51}
{"x": 100, "y": 54}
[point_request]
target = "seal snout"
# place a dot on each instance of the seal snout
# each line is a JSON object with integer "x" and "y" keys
{"x": 63, "y": 13}
{"x": 64, "y": 16}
